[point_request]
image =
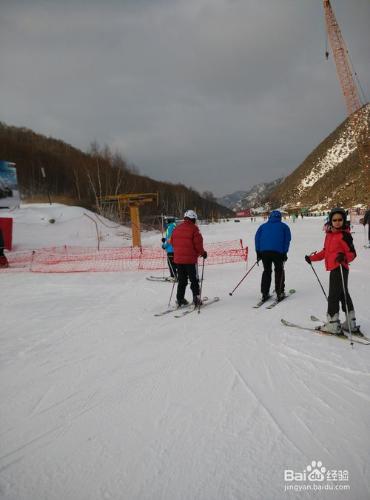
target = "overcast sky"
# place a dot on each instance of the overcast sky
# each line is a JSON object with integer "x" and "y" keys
{"x": 216, "y": 94}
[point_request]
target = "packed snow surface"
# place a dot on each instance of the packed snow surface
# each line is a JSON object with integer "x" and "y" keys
{"x": 99, "y": 399}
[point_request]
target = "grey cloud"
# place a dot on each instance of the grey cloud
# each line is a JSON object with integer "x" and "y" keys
{"x": 216, "y": 94}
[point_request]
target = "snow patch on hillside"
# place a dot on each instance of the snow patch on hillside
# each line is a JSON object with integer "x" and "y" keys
{"x": 340, "y": 150}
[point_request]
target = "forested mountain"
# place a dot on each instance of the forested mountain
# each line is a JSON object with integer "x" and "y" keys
{"x": 79, "y": 178}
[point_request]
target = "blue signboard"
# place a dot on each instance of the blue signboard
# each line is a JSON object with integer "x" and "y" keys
{"x": 9, "y": 192}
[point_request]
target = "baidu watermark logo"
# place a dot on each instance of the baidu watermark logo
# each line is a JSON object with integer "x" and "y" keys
{"x": 316, "y": 477}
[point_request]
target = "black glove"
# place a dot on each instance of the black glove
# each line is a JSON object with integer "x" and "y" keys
{"x": 163, "y": 240}
{"x": 285, "y": 257}
{"x": 205, "y": 255}
{"x": 340, "y": 258}
{"x": 259, "y": 256}
{"x": 307, "y": 259}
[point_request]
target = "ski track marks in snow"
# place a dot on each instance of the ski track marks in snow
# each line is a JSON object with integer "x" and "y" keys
{"x": 278, "y": 426}
{"x": 102, "y": 400}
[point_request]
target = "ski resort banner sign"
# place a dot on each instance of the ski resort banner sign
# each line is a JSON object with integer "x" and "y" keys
{"x": 9, "y": 193}
{"x": 316, "y": 477}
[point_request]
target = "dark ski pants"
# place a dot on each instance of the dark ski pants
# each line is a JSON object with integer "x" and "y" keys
{"x": 171, "y": 265}
{"x": 336, "y": 293}
{"x": 185, "y": 271}
{"x": 267, "y": 259}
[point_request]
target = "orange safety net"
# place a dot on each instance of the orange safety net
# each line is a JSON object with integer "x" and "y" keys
{"x": 73, "y": 259}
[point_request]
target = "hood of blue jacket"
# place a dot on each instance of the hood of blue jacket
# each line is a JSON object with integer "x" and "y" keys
{"x": 275, "y": 216}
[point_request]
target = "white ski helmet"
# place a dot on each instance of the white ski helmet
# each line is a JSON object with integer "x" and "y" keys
{"x": 190, "y": 214}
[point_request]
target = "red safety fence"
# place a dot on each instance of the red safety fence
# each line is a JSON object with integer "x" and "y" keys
{"x": 73, "y": 259}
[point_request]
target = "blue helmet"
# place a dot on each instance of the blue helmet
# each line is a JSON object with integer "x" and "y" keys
{"x": 275, "y": 215}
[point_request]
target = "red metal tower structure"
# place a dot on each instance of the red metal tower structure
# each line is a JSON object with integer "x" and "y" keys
{"x": 359, "y": 116}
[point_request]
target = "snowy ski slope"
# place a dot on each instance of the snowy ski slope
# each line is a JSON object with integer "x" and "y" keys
{"x": 99, "y": 399}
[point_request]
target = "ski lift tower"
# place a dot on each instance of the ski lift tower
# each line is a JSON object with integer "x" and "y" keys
{"x": 133, "y": 201}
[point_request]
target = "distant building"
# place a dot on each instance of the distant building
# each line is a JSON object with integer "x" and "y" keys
{"x": 244, "y": 213}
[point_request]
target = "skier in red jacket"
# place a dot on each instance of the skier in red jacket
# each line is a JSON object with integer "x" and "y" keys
{"x": 338, "y": 252}
{"x": 187, "y": 243}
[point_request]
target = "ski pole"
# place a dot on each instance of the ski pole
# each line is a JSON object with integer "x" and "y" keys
{"x": 230, "y": 293}
{"x": 173, "y": 286}
{"x": 322, "y": 288}
{"x": 201, "y": 286}
{"x": 171, "y": 267}
{"x": 345, "y": 291}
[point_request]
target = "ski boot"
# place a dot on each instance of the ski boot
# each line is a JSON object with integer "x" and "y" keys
{"x": 197, "y": 301}
{"x": 355, "y": 329}
{"x": 3, "y": 261}
{"x": 332, "y": 326}
{"x": 182, "y": 302}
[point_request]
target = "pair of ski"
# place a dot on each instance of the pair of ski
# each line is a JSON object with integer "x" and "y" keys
{"x": 355, "y": 338}
{"x": 161, "y": 279}
{"x": 275, "y": 301}
{"x": 185, "y": 310}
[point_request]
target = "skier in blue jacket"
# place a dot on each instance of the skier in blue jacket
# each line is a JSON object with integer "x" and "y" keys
{"x": 170, "y": 224}
{"x": 272, "y": 245}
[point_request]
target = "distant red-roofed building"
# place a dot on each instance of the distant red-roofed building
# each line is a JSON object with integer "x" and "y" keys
{"x": 244, "y": 213}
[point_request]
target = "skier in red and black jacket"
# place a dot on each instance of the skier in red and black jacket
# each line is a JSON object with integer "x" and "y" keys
{"x": 187, "y": 243}
{"x": 338, "y": 252}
